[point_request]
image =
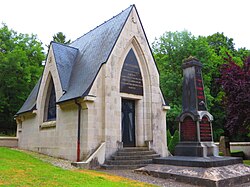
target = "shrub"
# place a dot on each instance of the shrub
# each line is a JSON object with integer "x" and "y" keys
{"x": 172, "y": 141}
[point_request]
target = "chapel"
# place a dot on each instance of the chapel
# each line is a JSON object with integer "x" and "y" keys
{"x": 96, "y": 95}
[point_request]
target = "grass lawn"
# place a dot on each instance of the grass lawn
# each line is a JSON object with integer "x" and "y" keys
{"x": 247, "y": 162}
{"x": 21, "y": 169}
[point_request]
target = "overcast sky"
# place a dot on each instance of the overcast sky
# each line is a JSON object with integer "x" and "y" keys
{"x": 76, "y": 17}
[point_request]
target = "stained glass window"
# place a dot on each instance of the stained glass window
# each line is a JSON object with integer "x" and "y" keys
{"x": 50, "y": 106}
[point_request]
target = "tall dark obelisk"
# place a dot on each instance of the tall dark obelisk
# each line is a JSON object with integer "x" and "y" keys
{"x": 195, "y": 122}
{"x": 196, "y": 148}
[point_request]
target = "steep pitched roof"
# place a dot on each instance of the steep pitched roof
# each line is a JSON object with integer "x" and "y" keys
{"x": 65, "y": 59}
{"x": 94, "y": 50}
{"x": 30, "y": 103}
{"x": 79, "y": 63}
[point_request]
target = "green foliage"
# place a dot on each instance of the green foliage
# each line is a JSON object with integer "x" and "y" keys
{"x": 21, "y": 169}
{"x": 217, "y": 133}
{"x": 169, "y": 137}
{"x": 172, "y": 48}
{"x": 60, "y": 38}
{"x": 21, "y": 59}
{"x": 218, "y": 41}
{"x": 169, "y": 51}
{"x": 172, "y": 140}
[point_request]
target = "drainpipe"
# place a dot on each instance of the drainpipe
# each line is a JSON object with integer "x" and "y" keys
{"x": 78, "y": 131}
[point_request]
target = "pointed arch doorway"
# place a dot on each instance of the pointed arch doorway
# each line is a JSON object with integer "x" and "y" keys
{"x": 131, "y": 83}
{"x": 128, "y": 123}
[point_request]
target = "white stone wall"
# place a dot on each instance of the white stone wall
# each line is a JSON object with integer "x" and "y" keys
{"x": 150, "y": 116}
{"x": 8, "y": 141}
{"x": 101, "y": 115}
{"x": 60, "y": 138}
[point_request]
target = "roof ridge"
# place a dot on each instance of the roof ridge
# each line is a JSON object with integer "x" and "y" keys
{"x": 65, "y": 45}
{"x": 102, "y": 24}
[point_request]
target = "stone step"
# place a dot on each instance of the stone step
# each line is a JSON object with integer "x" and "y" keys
{"x": 135, "y": 157}
{"x": 124, "y": 153}
{"x": 133, "y": 149}
{"x": 122, "y": 167}
{"x": 129, "y": 162}
{"x": 130, "y": 158}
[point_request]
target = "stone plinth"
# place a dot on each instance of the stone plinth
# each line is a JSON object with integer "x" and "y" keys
{"x": 204, "y": 162}
{"x": 232, "y": 175}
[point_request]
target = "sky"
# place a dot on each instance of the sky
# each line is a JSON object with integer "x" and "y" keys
{"x": 76, "y": 17}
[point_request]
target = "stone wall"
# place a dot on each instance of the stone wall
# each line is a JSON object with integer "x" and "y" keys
{"x": 8, "y": 141}
{"x": 240, "y": 146}
{"x": 56, "y": 138}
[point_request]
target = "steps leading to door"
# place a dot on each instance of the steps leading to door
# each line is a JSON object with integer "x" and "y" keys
{"x": 130, "y": 158}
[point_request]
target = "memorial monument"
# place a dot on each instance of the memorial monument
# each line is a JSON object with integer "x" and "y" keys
{"x": 195, "y": 122}
{"x": 196, "y": 159}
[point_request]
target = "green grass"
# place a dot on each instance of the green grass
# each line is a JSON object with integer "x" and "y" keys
{"x": 247, "y": 162}
{"x": 235, "y": 153}
{"x": 21, "y": 169}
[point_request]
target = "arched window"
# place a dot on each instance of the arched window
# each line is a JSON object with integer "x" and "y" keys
{"x": 50, "y": 103}
{"x": 131, "y": 78}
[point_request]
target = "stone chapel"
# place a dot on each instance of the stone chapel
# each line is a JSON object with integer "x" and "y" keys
{"x": 96, "y": 95}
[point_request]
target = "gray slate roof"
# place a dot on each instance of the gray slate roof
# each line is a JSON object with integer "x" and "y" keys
{"x": 65, "y": 58}
{"x": 94, "y": 50}
{"x": 79, "y": 63}
{"x": 30, "y": 103}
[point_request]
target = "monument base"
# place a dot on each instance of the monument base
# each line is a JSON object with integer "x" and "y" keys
{"x": 196, "y": 149}
{"x": 204, "y": 162}
{"x": 231, "y": 175}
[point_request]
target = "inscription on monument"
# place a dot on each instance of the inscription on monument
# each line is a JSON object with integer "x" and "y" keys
{"x": 131, "y": 79}
{"x": 205, "y": 130}
{"x": 200, "y": 90}
{"x": 188, "y": 130}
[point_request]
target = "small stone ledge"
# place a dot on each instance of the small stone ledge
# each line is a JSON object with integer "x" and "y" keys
{"x": 165, "y": 107}
{"x": 48, "y": 124}
{"x": 89, "y": 98}
{"x": 8, "y": 141}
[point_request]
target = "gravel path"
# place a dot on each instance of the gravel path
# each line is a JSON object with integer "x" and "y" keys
{"x": 148, "y": 179}
{"x": 65, "y": 164}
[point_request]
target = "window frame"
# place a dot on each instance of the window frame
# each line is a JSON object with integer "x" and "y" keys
{"x": 50, "y": 108}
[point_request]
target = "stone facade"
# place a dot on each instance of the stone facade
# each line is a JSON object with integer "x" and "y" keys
{"x": 100, "y": 112}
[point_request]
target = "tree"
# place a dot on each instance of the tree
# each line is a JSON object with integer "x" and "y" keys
{"x": 60, "y": 38}
{"x": 222, "y": 45}
{"x": 235, "y": 82}
{"x": 218, "y": 41}
{"x": 21, "y": 57}
{"x": 169, "y": 52}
